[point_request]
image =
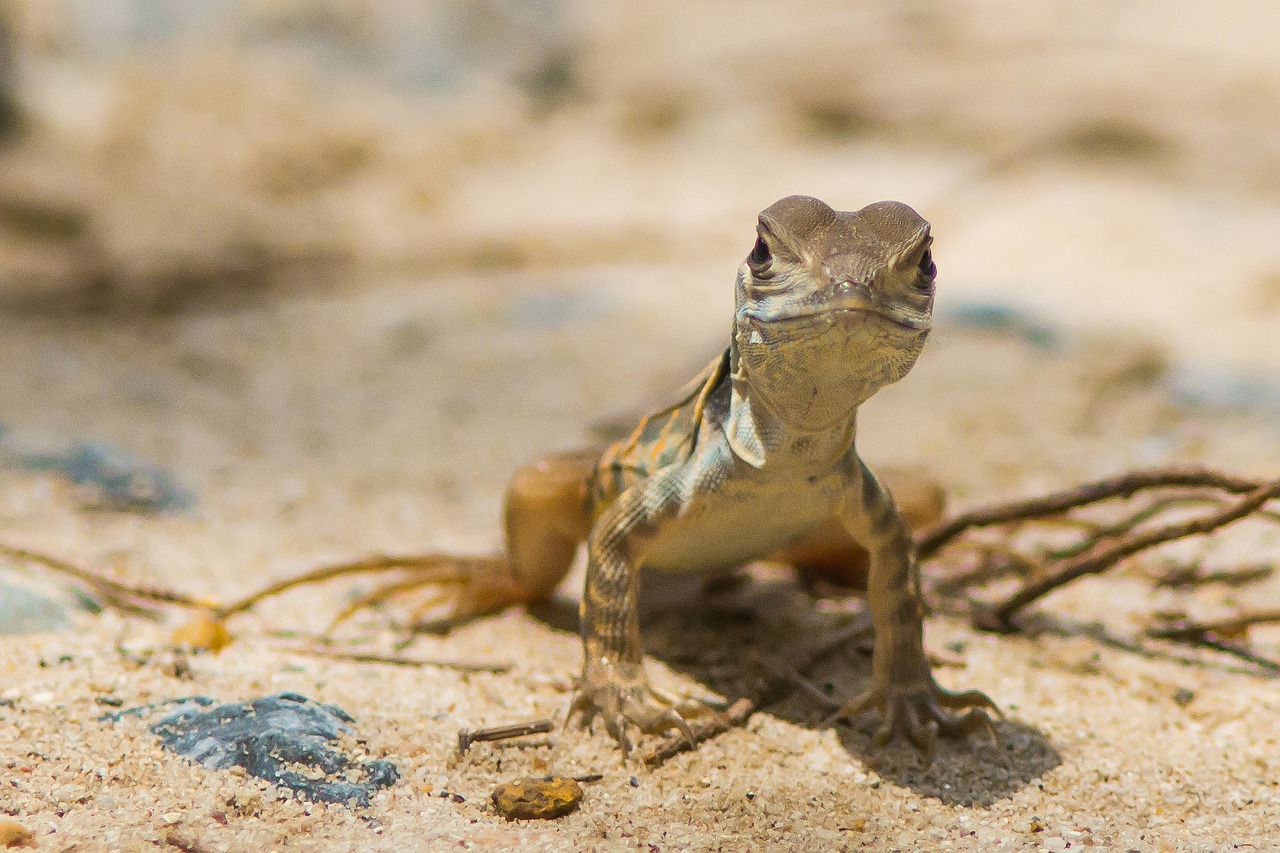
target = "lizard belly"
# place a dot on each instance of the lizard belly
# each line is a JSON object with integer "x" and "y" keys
{"x": 742, "y": 519}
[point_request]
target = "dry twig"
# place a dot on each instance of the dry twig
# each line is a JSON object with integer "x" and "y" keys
{"x": 1227, "y": 635}
{"x": 1230, "y": 627}
{"x": 117, "y": 593}
{"x": 1193, "y": 576}
{"x": 466, "y": 737}
{"x": 1120, "y": 486}
{"x": 703, "y": 730}
{"x": 999, "y": 617}
{"x": 1099, "y": 545}
{"x": 399, "y": 660}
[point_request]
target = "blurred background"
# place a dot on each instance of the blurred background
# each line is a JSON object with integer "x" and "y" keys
{"x": 351, "y": 260}
{"x": 1102, "y": 160}
{"x": 289, "y": 282}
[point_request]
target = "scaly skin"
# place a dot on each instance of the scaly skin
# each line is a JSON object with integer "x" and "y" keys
{"x": 758, "y": 455}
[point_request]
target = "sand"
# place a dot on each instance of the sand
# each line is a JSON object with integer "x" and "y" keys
{"x": 370, "y": 392}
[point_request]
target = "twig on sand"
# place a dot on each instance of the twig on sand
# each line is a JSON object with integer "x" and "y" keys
{"x": 399, "y": 660}
{"x": 703, "y": 730}
{"x": 1227, "y": 634}
{"x": 1229, "y": 627}
{"x": 1120, "y": 486}
{"x": 782, "y": 679}
{"x": 466, "y": 737}
{"x": 1193, "y": 575}
{"x": 1099, "y": 546}
{"x": 127, "y": 597}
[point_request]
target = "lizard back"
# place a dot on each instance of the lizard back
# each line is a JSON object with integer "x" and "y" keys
{"x": 663, "y": 438}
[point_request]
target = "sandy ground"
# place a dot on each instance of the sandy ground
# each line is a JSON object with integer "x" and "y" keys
{"x": 1114, "y": 179}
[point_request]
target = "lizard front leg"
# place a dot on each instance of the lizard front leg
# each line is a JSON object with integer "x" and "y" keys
{"x": 902, "y": 688}
{"x": 614, "y": 685}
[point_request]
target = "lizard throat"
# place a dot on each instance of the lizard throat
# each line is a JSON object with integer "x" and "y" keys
{"x": 813, "y": 372}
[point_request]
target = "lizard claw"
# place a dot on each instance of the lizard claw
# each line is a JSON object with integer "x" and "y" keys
{"x": 922, "y": 714}
{"x": 631, "y": 703}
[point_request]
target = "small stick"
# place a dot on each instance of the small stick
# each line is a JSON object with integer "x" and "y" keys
{"x": 1192, "y": 576}
{"x": 1132, "y": 521}
{"x": 1239, "y": 652}
{"x": 999, "y": 617}
{"x": 1055, "y": 503}
{"x": 400, "y": 660}
{"x": 466, "y": 737}
{"x": 1189, "y": 630}
{"x": 105, "y": 585}
{"x": 703, "y": 730}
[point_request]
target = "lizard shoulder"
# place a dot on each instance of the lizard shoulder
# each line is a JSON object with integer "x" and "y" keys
{"x": 661, "y": 439}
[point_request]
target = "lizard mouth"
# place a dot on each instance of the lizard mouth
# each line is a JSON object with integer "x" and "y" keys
{"x": 906, "y": 321}
{"x": 857, "y": 300}
{"x": 850, "y": 301}
{"x": 909, "y": 322}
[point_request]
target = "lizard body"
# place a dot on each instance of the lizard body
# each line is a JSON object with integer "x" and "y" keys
{"x": 757, "y": 454}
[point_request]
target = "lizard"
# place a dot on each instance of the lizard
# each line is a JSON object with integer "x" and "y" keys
{"x": 757, "y": 454}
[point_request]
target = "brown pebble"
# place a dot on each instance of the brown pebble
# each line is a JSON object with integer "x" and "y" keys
{"x": 14, "y": 834}
{"x": 203, "y": 633}
{"x": 537, "y": 799}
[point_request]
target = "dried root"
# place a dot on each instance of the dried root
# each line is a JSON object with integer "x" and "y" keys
{"x": 1173, "y": 503}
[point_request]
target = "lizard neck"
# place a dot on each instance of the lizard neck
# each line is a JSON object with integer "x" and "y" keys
{"x": 763, "y": 438}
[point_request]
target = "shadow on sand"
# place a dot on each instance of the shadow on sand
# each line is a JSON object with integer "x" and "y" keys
{"x": 716, "y": 639}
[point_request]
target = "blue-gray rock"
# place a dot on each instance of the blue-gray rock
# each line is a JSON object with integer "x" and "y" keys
{"x": 25, "y": 611}
{"x": 1222, "y": 388}
{"x": 272, "y": 736}
{"x": 983, "y": 315}
{"x": 114, "y": 477}
{"x": 551, "y": 310}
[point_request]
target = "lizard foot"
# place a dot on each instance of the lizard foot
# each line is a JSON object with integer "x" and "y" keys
{"x": 922, "y": 713}
{"x": 626, "y": 703}
{"x": 451, "y": 590}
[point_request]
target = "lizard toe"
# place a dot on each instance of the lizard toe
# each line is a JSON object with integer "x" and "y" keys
{"x": 968, "y": 723}
{"x": 922, "y": 715}
{"x": 632, "y": 705}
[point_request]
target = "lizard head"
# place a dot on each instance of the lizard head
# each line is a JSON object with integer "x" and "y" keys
{"x": 832, "y": 306}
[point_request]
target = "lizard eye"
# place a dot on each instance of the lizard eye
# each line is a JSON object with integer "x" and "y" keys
{"x": 760, "y": 256}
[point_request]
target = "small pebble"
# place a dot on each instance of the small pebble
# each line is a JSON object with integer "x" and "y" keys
{"x": 537, "y": 799}
{"x": 203, "y": 633}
